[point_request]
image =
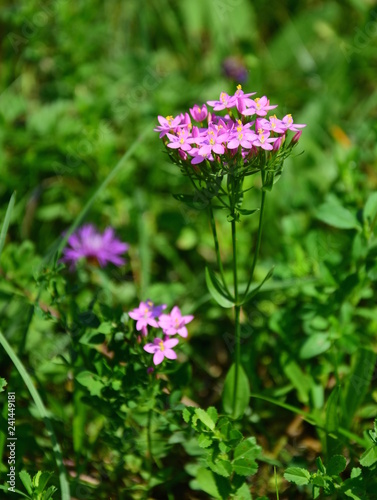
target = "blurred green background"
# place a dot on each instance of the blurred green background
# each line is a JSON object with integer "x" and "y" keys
{"x": 82, "y": 81}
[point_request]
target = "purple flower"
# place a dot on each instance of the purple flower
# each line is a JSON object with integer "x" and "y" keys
{"x": 161, "y": 349}
{"x": 241, "y": 136}
{"x": 226, "y": 101}
{"x": 145, "y": 315}
{"x": 243, "y": 100}
{"x": 259, "y": 107}
{"x": 174, "y": 322}
{"x": 167, "y": 124}
{"x": 86, "y": 242}
{"x": 234, "y": 68}
{"x": 264, "y": 141}
{"x": 287, "y": 121}
{"x": 199, "y": 114}
{"x": 182, "y": 140}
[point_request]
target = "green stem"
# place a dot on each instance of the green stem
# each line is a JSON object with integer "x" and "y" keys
{"x": 259, "y": 239}
{"x": 217, "y": 247}
{"x": 237, "y": 310}
{"x": 43, "y": 412}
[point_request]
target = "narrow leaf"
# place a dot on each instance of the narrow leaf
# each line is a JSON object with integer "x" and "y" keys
{"x": 240, "y": 400}
{"x": 256, "y": 289}
{"x": 6, "y": 222}
{"x": 217, "y": 291}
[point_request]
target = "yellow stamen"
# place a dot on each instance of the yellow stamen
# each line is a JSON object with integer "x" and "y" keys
{"x": 212, "y": 142}
{"x": 261, "y": 138}
{"x": 260, "y": 130}
{"x": 239, "y": 87}
{"x": 161, "y": 344}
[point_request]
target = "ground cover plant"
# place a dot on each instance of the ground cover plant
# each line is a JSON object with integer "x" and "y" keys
{"x": 187, "y": 271}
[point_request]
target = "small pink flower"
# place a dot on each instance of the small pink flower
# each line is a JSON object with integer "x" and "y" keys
{"x": 174, "y": 322}
{"x": 199, "y": 113}
{"x": 167, "y": 124}
{"x": 259, "y": 107}
{"x": 161, "y": 349}
{"x": 225, "y": 101}
{"x": 287, "y": 122}
{"x": 296, "y": 137}
{"x": 145, "y": 315}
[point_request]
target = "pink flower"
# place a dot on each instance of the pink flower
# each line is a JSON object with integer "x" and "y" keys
{"x": 199, "y": 114}
{"x": 86, "y": 242}
{"x": 174, "y": 322}
{"x": 182, "y": 140}
{"x": 296, "y": 137}
{"x": 287, "y": 121}
{"x": 241, "y": 136}
{"x": 167, "y": 124}
{"x": 225, "y": 101}
{"x": 243, "y": 100}
{"x": 259, "y": 107}
{"x": 264, "y": 141}
{"x": 277, "y": 144}
{"x": 145, "y": 315}
{"x": 161, "y": 349}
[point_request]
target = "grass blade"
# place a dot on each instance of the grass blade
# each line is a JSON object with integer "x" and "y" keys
{"x": 8, "y": 214}
{"x": 65, "y": 495}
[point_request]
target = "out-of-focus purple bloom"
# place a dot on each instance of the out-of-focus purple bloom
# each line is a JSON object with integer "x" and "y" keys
{"x": 174, "y": 322}
{"x": 234, "y": 68}
{"x": 145, "y": 315}
{"x": 161, "y": 349}
{"x": 87, "y": 243}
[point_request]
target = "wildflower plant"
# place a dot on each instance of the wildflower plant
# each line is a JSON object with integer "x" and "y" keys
{"x": 217, "y": 150}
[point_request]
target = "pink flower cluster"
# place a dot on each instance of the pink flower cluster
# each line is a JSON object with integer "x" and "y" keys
{"x": 244, "y": 129}
{"x": 147, "y": 314}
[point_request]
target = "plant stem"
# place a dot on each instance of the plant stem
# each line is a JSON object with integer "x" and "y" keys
{"x": 259, "y": 238}
{"x": 237, "y": 310}
{"x": 217, "y": 247}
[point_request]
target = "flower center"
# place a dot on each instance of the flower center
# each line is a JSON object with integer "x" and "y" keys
{"x": 162, "y": 347}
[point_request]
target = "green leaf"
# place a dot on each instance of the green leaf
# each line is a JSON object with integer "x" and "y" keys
{"x": 216, "y": 486}
{"x": 243, "y": 493}
{"x": 337, "y": 216}
{"x": 301, "y": 381}
{"x": 332, "y": 420}
{"x": 217, "y": 290}
{"x": 3, "y": 383}
{"x": 220, "y": 466}
{"x": 204, "y": 441}
{"x": 6, "y": 222}
{"x": 256, "y": 289}
{"x": 316, "y": 344}
{"x": 212, "y": 412}
{"x": 370, "y": 209}
{"x": 243, "y": 211}
{"x": 336, "y": 465}
{"x": 358, "y": 383}
{"x": 369, "y": 457}
{"x": 193, "y": 201}
{"x": 64, "y": 485}
{"x": 320, "y": 465}
{"x": 240, "y": 400}
{"x": 245, "y": 467}
{"x": 245, "y": 454}
{"x": 204, "y": 417}
{"x": 91, "y": 381}
{"x": 297, "y": 475}
{"x": 42, "y": 481}
{"x": 186, "y": 415}
{"x": 26, "y": 481}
